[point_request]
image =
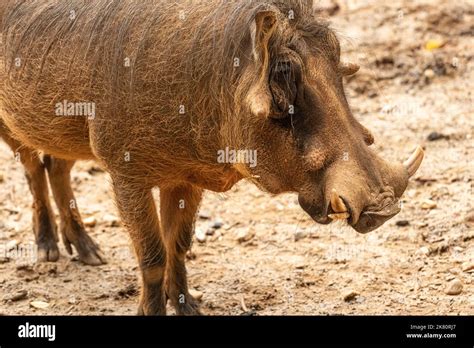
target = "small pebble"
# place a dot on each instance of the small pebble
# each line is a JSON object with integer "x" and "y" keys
{"x": 18, "y": 296}
{"x": 210, "y": 231}
{"x": 90, "y": 221}
{"x": 433, "y": 136}
{"x": 111, "y": 220}
{"x": 429, "y": 73}
{"x": 301, "y": 265}
{"x": 217, "y": 224}
{"x": 200, "y": 235}
{"x": 423, "y": 251}
{"x": 468, "y": 266}
{"x": 245, "y": 234}
{"x": 469, "y": 217}
{"x": 300, "y": 235}
{"x": 31, "y": 278}
{"x": 204, "y": 215}
{"x": 402, "y": 223}
{"x": 350, "y": 295}
{"x": 424, "y": 178}
{"x": 428, "y": 204}
{"x": 196, "y": 294}
{"x": 454, "y": 287}
{"x": 434, "y": 44}
{"x": 39, "y": 304}
{"x": 24, "y": 267}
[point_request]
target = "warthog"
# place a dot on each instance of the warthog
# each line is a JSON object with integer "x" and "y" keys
{"x": 176, "y": 83}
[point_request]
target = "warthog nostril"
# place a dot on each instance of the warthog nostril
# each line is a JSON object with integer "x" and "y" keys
{"x": 370, "y": 220}
{"x": 389, "y": 210}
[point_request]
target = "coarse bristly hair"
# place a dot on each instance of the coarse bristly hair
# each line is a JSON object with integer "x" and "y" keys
{"x": 179, "y": 53}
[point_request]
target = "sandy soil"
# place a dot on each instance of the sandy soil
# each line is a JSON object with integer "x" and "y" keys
{"x": 289, "y": 265}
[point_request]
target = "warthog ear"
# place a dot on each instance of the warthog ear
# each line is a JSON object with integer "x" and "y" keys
{"x": 259, "y": 97}
{"x": 262, "y": 29}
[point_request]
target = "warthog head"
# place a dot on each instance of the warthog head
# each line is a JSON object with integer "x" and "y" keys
{"x": 305, "y": 134}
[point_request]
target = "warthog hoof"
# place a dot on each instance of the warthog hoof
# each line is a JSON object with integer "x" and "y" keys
{"x": 152, "y": 308}
{"x": 48, "y": 250}
{"x": 89, "y": 252}
{"x": 185, "y": 304}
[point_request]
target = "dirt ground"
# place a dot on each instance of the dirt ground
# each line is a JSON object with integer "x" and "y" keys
{"x": 415, "y": 87}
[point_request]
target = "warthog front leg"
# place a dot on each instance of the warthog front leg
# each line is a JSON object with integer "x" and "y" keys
{"x": 71, "y": 226}
{"x": 138, "y": 212}
{"x": 44, "y": 225}
{"x": 178, "y": 208}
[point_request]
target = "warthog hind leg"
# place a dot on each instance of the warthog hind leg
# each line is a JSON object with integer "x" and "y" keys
{"x": 44, "y": 225}
{"x": 71, "y": 226}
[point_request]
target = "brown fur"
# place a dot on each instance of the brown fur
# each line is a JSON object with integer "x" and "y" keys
{"x": 143, "y": 140}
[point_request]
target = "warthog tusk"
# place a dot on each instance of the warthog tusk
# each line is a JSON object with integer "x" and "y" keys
{"x": 413, "y": 163}
{"x": 337, "y": 204}
{"x": 339, "y": 216}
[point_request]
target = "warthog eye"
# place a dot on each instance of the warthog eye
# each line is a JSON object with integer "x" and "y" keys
{"x": 283, "y": 87}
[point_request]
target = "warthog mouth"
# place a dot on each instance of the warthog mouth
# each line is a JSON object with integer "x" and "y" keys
{"x": 338, "y": 208}
{"x": 369, "y": 219}
{"x": 360, "y": 209}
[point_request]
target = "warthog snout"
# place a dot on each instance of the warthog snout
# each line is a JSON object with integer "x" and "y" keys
{"x": 360, "y": 204}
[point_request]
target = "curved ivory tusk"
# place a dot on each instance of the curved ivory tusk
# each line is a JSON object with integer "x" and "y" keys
{"x": 337, "y": 204}
{"x": 347, "y": 69}
{"x": 413, "y": 163}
